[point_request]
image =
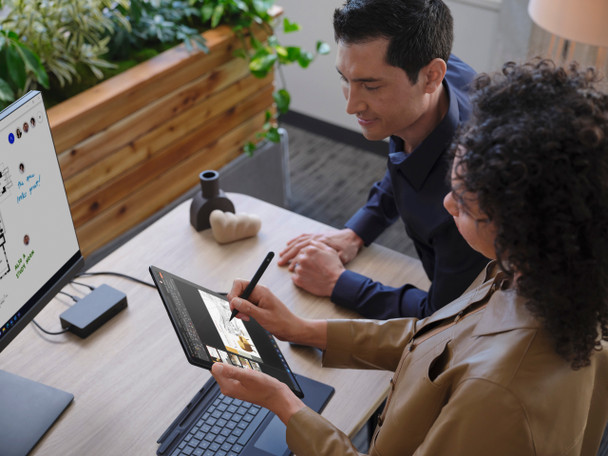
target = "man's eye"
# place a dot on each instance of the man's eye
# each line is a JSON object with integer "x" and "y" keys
{"x": 370, "y": 88}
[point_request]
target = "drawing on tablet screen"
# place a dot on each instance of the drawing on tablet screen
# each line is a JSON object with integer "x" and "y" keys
{"x": 234, "y": 335}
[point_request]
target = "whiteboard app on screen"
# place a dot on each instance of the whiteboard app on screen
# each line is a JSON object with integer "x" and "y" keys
{"x": 36, "y": 232}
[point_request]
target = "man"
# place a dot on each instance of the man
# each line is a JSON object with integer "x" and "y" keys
{"x": 399, "y": 80}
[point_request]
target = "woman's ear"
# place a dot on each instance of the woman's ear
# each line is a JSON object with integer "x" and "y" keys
{"x": 433, "y": 74}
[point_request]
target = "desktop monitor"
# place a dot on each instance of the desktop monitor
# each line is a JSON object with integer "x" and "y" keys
{"x": 39, "y": 254}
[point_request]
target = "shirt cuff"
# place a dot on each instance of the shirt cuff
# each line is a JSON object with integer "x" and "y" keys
{"x": 367, "y": 226}
{"x": 347, "y": 289}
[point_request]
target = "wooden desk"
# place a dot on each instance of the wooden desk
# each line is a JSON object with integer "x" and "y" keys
{"x": 130, "y": 378}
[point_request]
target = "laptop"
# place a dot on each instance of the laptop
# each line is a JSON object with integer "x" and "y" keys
{"x": 211, "y": 423}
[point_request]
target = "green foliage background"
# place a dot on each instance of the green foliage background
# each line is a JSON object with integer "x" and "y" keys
{"x": 66, "y": 46}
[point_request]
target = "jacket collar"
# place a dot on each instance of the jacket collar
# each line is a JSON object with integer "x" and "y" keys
{"x": 505, "y": 310}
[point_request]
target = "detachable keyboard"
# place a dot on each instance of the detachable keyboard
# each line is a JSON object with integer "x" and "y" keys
{"x": 214, "y": 424}
{"x": 223, "y": 430}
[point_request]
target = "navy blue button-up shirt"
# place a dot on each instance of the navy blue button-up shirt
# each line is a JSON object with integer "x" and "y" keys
{"x": 413, "y": 189}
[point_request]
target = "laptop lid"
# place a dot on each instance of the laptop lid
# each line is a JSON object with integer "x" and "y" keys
{"x": 201, "y": 319}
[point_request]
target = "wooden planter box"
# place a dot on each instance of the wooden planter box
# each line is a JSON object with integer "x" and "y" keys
{"x": 132, "y": 144}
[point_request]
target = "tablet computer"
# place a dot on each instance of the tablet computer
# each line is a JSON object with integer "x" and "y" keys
{"x": 201, "y": 319}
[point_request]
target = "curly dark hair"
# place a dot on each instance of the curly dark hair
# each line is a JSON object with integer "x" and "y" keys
{"x": 418, "y": 30}
{"x": 535, "y": 154}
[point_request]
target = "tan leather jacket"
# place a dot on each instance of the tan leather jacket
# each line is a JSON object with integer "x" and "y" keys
{"x": 478, "y": 377}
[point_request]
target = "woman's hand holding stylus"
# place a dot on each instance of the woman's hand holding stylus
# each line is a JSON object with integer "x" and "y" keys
{"x": 275, "y": 317}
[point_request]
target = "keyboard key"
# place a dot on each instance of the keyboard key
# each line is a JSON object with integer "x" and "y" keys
{"x": 231, "y": 439}
{"x": 231, "y": 424}
{"x": 209, "y": 437}
{"x": 194, "y": 442}
{"x": 220, "y": 439}
{"x": 244, "y": 438}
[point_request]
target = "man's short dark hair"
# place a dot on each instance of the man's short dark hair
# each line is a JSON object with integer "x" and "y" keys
{"x": 418, "y": 31}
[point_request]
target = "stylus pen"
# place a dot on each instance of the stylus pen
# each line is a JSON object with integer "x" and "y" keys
{"x": 254, "y": 281}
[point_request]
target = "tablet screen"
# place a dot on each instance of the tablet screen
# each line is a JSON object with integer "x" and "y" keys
{"x": 201, "y": 319}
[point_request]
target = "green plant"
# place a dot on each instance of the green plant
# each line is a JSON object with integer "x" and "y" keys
{"x": 152, "y": 22}
{"x": 66, "y": 34}
{"x": 20, "y": 68}
{"x": 244, "y": 16}
{"x": 67, "y": 37}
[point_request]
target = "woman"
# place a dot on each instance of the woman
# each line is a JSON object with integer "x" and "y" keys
{"x": 518, "y": 364}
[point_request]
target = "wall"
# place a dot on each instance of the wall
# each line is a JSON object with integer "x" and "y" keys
{"x": 480, "y": 28}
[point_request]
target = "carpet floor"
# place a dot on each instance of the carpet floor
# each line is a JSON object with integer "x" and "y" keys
{"x": 330, "y": 181}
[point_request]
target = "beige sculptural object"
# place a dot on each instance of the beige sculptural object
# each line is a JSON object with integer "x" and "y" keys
{"x": 228, "y": 227}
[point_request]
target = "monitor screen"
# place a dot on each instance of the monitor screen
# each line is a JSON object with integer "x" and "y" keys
{"x": 38, "y": 244}
{"x": 39, "y": 255}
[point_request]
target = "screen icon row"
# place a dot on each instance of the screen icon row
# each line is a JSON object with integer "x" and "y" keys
{"x": 21, "y": 130}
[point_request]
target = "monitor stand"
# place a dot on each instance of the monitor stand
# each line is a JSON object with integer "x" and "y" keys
{"x": 27, "y": 410}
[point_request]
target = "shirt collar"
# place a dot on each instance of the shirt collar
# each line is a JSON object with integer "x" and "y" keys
{"x": 417, "y": 165}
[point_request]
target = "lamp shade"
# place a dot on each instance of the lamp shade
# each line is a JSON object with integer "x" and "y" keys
{"x": 583, "y": 21}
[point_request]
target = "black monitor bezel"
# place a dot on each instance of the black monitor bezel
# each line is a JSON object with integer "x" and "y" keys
{"x": 61, "y": 278}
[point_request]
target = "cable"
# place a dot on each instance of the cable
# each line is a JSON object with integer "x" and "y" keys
{"x": 118, "y": 274}
{"x": 50, "y": 332}
{"x": 90, "y": 287}
{"x": 74, "y": 298}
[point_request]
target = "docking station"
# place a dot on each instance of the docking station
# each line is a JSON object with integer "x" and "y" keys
{"x": 92, "y": 311}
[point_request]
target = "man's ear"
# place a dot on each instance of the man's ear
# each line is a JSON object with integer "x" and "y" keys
{"x": 433, "y": 74}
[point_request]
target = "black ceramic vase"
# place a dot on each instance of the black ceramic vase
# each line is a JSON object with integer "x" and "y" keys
{"x": 208, "y": 200}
